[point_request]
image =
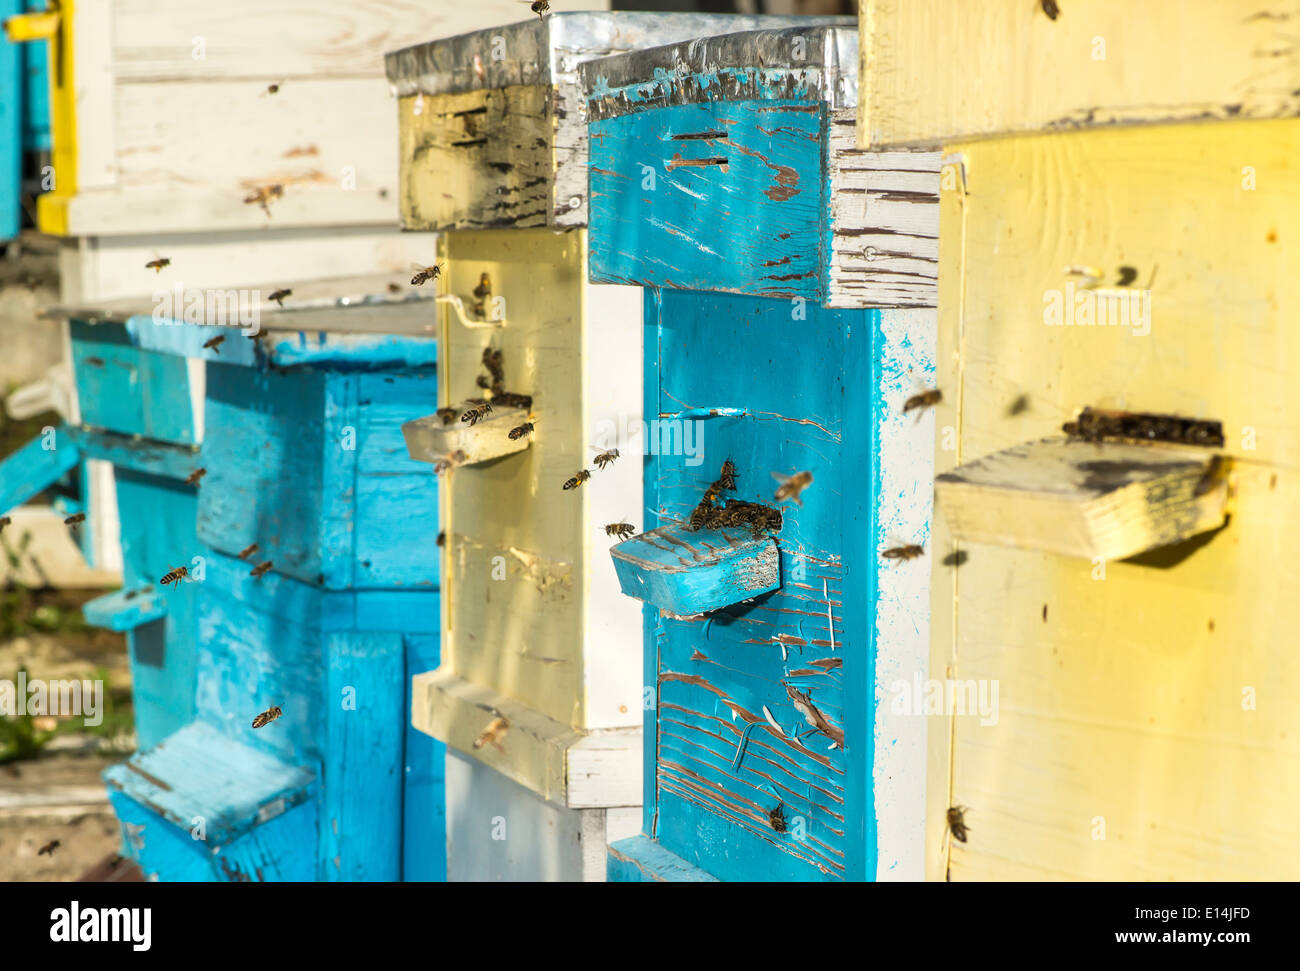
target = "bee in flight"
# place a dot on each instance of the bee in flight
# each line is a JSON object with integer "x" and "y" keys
{"x": 603, "y": 459}
{"x": 577, "y": 480}
{"x": 259, "y": 571}
{"x": 519, "y": 431}
{"x": 158, "y": 264}
{"x": 193, "y": 477}
{"x": 424, "y": 273}
{"x": 49, "y": 848}
{"x": 214, "y": 343}
{"x": 925, "y": 399}
{"x": 909, "y": 552}
{"x": 263, "y": 196}
{"x": 493, "y": 734}
{"x": 621, "y": 530}
{"x": 279, "y": 295}
{"x": 75, "y": 519}
{"x": 539, "y": 7}
{"x": 268, "y": 716}
{"x": 175, "y": 576}
{"x": 476, "y": 414}
{"x": 248, "y": 551}
{"x": 957, "y": 823}
{"x": 791, "y": 486}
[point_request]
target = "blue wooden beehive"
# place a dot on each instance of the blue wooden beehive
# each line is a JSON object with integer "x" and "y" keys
{"x": 788, "y": 324}
{"x": 304, "y": 458}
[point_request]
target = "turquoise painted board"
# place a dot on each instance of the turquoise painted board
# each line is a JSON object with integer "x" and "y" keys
{"x": 126, "y": 609}
{"x": 121, "y": 388}
{"x": 307, "y": 465}
{"x": 742, "y": 210}
{"x": 424, "y": 826}
{"x": 36, "y": 466}
{"x": 642, "y": 860}
{"x": 691, "y": 572}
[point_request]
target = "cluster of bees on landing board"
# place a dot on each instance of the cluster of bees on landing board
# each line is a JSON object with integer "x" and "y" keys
{"x": 494, "y": 382}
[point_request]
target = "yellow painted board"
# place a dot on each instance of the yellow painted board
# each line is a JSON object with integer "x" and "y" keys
{"x": 937, "y": 72}
{"x": 1149, "y": 701}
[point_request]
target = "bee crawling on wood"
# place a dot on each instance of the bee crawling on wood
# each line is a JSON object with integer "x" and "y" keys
{"x": 727, "y": 480}
{"x": 193, "y": 477}
{"x": 603, "y": 459}
{"x": 442, "y": 538}
{"x": 621, "y": 530}
{"x": 519, "y": 431}
{"x": 214, "y": 343}
{"x": 448, "y": 415}
{"x": 75, "y": 519}
{"x": 908, "y": 552}
{"x": 508, "y": 399}
{"x": 259, "y": 571}
{"x": 577, "y": 480}
{"x": 268, "y": 716}
{"x": 957, "y": 823}
{"x": 49, "y": 848}
{"x": 481, "y": 410}
{"x": 926, "y": 399}
{"x": 175, "y": 576}
{"x": 1053, "y": 11}
{"x": 494, "y": 733}
{"x": 423, "y": 274}
{"x": 248, "y": 551}
{"x": 263, "y": 196}
{"x": 777, "y": 818}
{"x": 792, "y": 486}
{"x": 1215, "y": 472}
{"x": 279, "y": 295}
{"x": 158, "y": 264}
{"x": 448, "y": 462}
{"x": 272, "y": 88}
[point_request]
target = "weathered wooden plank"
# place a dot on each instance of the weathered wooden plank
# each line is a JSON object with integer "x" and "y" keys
{"x": 431, "y": 439}
{"x": 137, "y": 454}
{"x": 641, "y": 860}
{"x": 36, "y": 466}
{"x": 687, "y": 573}
{"x": 943, "y": 73}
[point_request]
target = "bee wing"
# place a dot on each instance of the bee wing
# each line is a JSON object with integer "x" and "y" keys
{"x": 421, "y": 268}
{"x": 783, "y": 479}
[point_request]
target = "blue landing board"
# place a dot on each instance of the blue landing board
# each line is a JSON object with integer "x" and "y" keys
{"x": 687, "y": 572}
{"x": 126, "y": 609}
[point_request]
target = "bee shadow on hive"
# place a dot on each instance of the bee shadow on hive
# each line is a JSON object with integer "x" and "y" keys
{"x": 1174, "y": 554}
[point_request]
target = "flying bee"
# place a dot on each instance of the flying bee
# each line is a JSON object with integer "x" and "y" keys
{"x": 539, "y": 7}
{"x": 263, "y": 195}
{"x": 957, "y": 823}
{"x": 909, "y": 552}
{"x": 75, "y": 519}
{"x": 477, "y": 413}
{"x": 268, "y": 716}
{"x": 49, "y": 848}
{"x": 248, "y": 551}
{"x": 519, "y": 431}
{"x": 777, "y": 818}
{"x": 158, "y": 264}
{"x": 1215, "y": 471}
{"x": 5, "y": 521}
{"x": 926, "y": 399}
{"x": 175, "y": 576}
{"x": 448, "y": 415}
{"x": 791, "y": 487}
{"x": 279, "y": 295}
{"x": 259, "y": 571}
{"x": 193, "y": 477}
{"x": 214, "y": 343}
{"x": 423, "y": 274}
{"x": 493, "y": 734}
{"x": 603, "y": 459}
{"x": 621, "y": 530}
{"x": 577, "y": 480}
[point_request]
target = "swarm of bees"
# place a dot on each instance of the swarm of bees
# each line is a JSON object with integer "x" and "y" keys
{"x": 263, "y": 196}
{"x": 278, "y": 296}
{"x": 423, "y": 274}
{"x": 621, "y": 530}
{"x": 75, "y": 519}
{"x": 909, "y": 552}
{"x": 957, "y": 823}
{"x": 268, "y": 716}
{"x": 1097, "y": 426}
{"x": 260, "y": 570}
{"x": 214, "y": 343}
{"x": 791, "y": 487}
{"x": 193, "y": 477}
{"x": 158, "y": 264}
{"x": 493, "y": 734}
{"x": 175, "y": 576}
{"x": 733, "y": 512}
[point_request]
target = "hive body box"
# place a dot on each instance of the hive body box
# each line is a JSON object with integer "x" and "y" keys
{"x": 724, "y": 174}
{"x": 494, "y": 157}
{"x": 1145, "y": 731}
{"x": 304, "y": 457}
